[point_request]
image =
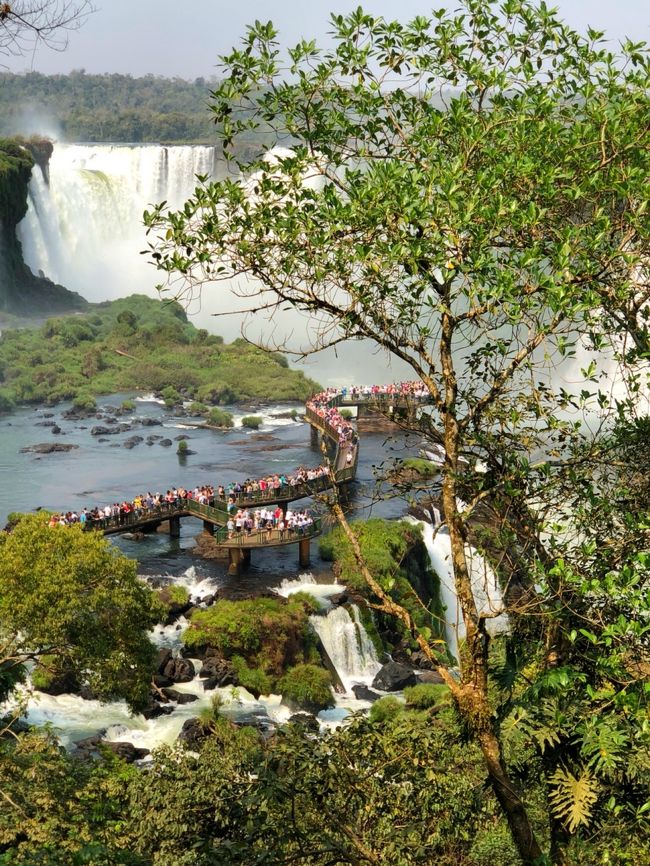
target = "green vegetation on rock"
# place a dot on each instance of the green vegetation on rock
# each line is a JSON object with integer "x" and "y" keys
{"x": 307, "y": 686}
{"x": 253, "y": 422}
{"x": 399, "y": 560}
{"x": 138, "y": 343}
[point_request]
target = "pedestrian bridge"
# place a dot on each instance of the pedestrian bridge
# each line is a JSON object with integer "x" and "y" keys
{"x": 215, "y": 515}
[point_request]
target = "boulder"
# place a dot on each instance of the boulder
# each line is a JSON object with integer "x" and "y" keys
{"x": 363, "y": 693}
{"x": 155, "y": 710}
{"x": 56, "y": 430}
{"x": 127, "y": 751}
{"x": 166, "y": 443}
{"x": 306, "y": 721}
{"x": 132, "y": 441}
{"x": 45, "y": 424}
{"x": 393, "y": 677}
{"x": 162, "y": 681}
{"x": 193, "y": 732}
{"x": 219, "y": 669}
{"x": 164, "y": 655}
{"x": 179, "y": 670}
{"x": 181, "y": 438}
{"x": 432, "y": 677}
{"x": 149, "y": 422}
{"x": 179, "y": 697}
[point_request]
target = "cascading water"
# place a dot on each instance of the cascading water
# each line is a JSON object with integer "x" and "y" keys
{"x": 347, "y": 644}
{"x": 485, "y": 586}
{"x": 84, "y": 229}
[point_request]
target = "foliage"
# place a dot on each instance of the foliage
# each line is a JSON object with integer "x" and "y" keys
{"x": 174, "y": 594}
{"x": 386, "y": 709}
{"x": 469, "y": 191}
{"x": 219, "y": 418}
{"x": 268, "y": 633}
{"x": 423, "y": 696}
{"x": 182, "y": 447}
{"x": 254, "y": 422}
{"x": 396, "y": 555}
{"x": 69, "y": 594}
{"x": 254, "y": 680}
{"x": 307, "y": 685}
{"x": 136, "y": 343}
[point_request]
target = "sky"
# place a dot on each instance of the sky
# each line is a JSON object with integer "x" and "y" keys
{"x": 185, "y": 39}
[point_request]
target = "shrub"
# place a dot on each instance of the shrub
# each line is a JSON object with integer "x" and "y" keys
{"x": 84, "y": 402}
{"x": 268, "y": 633}
{"x": 199, "y": 409}
{"x": 219, "y": 418}
{"x": 171, "y": 397}
{"x": 174, "y": 594}
{"x": 253, "y": 679}
{"x": 182, "y": 447}
{"x": 424, "y": 695}
{"x": 307, "y": 685}
{"x": 128, "y": 405}
{"x": 254, "y": 422}
{"x": 346, "y": 413}
{"x": 385, "y": 709}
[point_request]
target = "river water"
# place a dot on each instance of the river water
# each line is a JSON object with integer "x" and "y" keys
{"x": 99, "y": 472}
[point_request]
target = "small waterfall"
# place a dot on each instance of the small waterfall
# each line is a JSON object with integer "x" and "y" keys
{"x": 347, "y": 644}
{"x": 485, "y": 586}
{"x": 84, "y": 230}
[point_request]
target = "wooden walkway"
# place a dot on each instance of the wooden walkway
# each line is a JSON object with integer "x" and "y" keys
{"x": 215, "y": 516}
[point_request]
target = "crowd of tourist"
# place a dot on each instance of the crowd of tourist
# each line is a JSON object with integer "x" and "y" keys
{"x": 268, "y": 523}
{"x": 270, "y": 486}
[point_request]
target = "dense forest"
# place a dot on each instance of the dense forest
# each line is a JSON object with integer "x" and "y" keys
{"x": 81, "y": 107}
{"x": 138, "y": 343}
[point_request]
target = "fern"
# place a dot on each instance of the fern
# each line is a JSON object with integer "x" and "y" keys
{"x": 573, "y": 797}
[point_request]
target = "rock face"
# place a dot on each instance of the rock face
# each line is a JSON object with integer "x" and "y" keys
{"x": 22, "y": 292}
{"x": 393, "y": 677}
{"x": 47, "y": 448}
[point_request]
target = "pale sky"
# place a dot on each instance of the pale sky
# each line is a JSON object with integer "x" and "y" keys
{"x": 185, "y": 37}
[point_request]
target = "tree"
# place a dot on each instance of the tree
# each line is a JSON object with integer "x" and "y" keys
{"x": 24, "y": 24}
{"x": 71, "y": 602}
{"x": 468, "y": 191}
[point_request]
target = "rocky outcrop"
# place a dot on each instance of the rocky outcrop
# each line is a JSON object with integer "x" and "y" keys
{"x": 47, "y": 448}
{"x": 21, "y": 292}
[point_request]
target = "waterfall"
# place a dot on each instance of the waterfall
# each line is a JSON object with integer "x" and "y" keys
{"x": 485, "y": 586}
{"x": 84, "y": 229}
{"x": 347, "y": 644}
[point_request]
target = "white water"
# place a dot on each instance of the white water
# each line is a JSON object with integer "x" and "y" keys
{"x": 347, "y": 644}
{"x": 485, "y": 586}
{"x": 84, "y": 230}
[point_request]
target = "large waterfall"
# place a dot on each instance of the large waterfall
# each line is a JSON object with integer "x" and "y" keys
{"x": 84, "y": 228}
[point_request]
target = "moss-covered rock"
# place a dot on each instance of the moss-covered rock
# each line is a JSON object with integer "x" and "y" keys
{"x": 267, "y": 634}
{"x": 398, "y": 558}
{"x": 307, "y": 687}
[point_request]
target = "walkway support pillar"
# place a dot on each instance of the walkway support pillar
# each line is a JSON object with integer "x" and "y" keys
{"x": 234, "y": 560}
{"x": 313, "y": 436}
{"x": 174, "y": 527}
{"x": 208, "y": 527}
{"x": 303, "y": 552}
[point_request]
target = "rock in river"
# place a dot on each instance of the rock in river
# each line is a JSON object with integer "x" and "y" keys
{"x": 47, "y": 448}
